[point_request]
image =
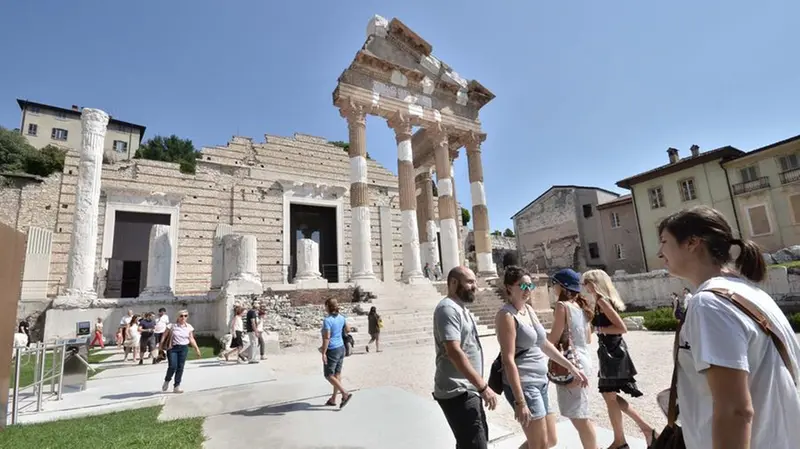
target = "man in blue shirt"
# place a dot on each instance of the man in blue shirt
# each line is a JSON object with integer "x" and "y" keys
{"x": 333, "y": 326}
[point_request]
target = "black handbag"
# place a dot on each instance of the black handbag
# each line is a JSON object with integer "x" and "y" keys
{"x": 615, "y": 361}
{"x": 495, "y": 381}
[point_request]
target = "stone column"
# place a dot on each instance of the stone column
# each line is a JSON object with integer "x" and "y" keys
{"x": 447, "y": 219}
{"x": 480, "y": 213}
{"x": 457, "y": 212}
{"x": 83, "y": 243}
{"x": 359, "y": 193}
{"x": 159, "y": 262}
{"x": 241, "y": 264}
{"x": 307, "y": 259}
{"x": 412, "y": 270}
{"x": 426, "y": 219}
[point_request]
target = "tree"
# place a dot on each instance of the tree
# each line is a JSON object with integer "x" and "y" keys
{"x": 345, "y": 146}
{"x": 18, "y": 156}
{"x": 465, "y": 216}
{"x": 508, "y": 233}
{"x": 170, "y": 149}
{"x": 497, "y": 233}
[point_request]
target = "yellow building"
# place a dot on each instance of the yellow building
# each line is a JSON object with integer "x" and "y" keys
{"x": 696, "y": 179}
{"x": 766, "y": 190}
{"x": 43, "y": 125}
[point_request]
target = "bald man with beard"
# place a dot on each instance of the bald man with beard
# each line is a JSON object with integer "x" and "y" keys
{"x": 459, "y": 387}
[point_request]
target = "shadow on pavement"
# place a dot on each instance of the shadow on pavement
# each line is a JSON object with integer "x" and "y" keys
{"x": 282, "y": 409}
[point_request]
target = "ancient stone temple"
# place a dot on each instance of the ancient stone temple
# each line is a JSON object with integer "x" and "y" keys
{"x": 285, "y": 213}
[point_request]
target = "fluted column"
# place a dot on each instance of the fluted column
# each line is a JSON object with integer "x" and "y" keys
{"x": 457, "y": 212}
{"x": 426, "y": 219}
{"x": 447, "y": 219}
{"x": 83, "y": 244}
{"x": 359, "y": 193}
{"x": 480, "y": 213}
{"x": 412, "y": 271}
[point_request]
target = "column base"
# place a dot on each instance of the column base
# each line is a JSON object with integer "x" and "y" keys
{"x": 415, "y": 279}
{"x": 486, "y": 266}
{"x": 74, "y": 301}
{"x": 311, "y": 283}
{"x": 157, "y": 294}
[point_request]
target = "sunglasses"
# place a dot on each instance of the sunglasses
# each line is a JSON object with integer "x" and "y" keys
{"x": 526, "y": 286}
{"x": 183, "y": 316}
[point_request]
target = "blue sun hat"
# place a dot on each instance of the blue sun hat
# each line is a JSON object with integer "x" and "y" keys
{"x": 568, "y": 279}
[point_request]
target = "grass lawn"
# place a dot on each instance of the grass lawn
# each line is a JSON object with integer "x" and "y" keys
{"x": 209, "y": 347}
{"x": 133, "y": 429}
{"x": 793, "y": 264}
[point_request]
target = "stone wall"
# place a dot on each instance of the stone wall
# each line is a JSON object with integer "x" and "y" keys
{"x": 547, "y": 231}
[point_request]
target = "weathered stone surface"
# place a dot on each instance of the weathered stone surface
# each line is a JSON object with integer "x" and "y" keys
{"x": 634, "y": 323}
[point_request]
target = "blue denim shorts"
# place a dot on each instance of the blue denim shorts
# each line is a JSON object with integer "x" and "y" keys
{"x": 335, "y": 361}
{"x": 535, "y": 396}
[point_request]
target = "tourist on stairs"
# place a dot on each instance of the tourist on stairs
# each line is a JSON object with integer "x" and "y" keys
{"x": 237, "y": 330}
{"x": 524, "y": 350}
{"x": 333, "y": 326}
{"x": 98, "y": 334}
{"x": 176, "y": 341}
{"x": 458, "y": 384}
{"x": 374, "y": 324}
{"x": 571, "y": 321}
{"x": 617, "y": 371}
{"x": 736, "y": 377}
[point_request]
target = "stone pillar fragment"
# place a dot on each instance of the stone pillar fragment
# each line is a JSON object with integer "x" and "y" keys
{"x": 241, "y": 264}
{"x": 159, "y": 262}
{"x": 36, "y": 274}
{"x": 480, "y": 213}
{"x": 447, "y": 220}
{"x": 412, "y": 270}
{"x": 218, "y": 256}
{"x": 83, "y": 244}
{"x": 307, "y": 260}
{"x": 427, "y": 220}
{"x": 359, "y": 193}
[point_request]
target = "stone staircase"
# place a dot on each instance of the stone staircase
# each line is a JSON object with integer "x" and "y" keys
{"x": 407, "y": 313}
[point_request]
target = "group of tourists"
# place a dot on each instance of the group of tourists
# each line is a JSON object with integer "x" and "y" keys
{"x": 246, "y": 335}
{"x": 138, "y": 335}
{"x": 735, "y": 354}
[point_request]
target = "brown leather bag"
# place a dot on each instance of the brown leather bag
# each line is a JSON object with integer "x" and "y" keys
{"x": 672, "y": 435}
{"x": 558, "y": 374}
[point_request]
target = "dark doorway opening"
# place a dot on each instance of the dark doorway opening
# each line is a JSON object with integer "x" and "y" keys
{"x": 317, "y": 223}
{"x": 131, "y": 278}
{"x": 127, "y": 268}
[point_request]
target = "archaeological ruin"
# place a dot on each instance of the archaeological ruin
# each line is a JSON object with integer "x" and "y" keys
{"x": 280, "y": 215}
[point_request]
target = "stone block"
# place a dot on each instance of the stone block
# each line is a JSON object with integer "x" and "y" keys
{"x": 634, "y": 323}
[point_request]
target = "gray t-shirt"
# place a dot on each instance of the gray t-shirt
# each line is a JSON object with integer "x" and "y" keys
{"x": 532, "y": 365}
{"x": 453, "y": 322}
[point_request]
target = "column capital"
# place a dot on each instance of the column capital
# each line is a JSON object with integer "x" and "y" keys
{"x": 354, "y": 113}
{"x": 472, "y": 141}
{"x": 402, "y": 126}
{"x": 439, "y": 136}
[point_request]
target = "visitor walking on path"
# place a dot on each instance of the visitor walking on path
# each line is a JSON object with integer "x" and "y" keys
{"x": 736, "y": 380}
{"x": 176, "y": 341}
{"x": 148, "y": 339}
{"x": 252, "y": 333}
{"x": 133, "y": 339}
{"x": 374, "y": 325}
{"x": 524, "y": 350}
{"x": 333, "y": 326}
{"x": 262, "y": 347}
{"x": 617, "y": 372}
{"x": 98, "y": 334}
{"x": 237, "y": 330}
{"x": 571, "y": 321}
{"x": 458, "y": 385}
{"x": 123, "y": 327}
{"x": 677, "y": 307}
{"x": 161, "y": 325}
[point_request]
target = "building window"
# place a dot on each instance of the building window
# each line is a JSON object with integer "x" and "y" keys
{"x": 34, "y": 110}
{"x": 594, "y": 251}
{"x": 587, "y": 210}
{"x": 759, "y": 220}
{"x": 688, "y": 192}
{"x": 656, "y": 196}
{"x": 794, "y": 205}
{"x": 789, "y": 162}
{"x": 61, "y": 115}
{"x": 614, "y": 220}
{"x": 58, "y": 134}
{"x": 32, "y": 129}
{"x": 619, "y": 251}
{"x": 749, "y": 173}
{"x": 120, "y": 146}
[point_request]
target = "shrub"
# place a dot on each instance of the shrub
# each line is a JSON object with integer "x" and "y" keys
{"x": 660, "y": 324}
{"x": 794, "y": 320}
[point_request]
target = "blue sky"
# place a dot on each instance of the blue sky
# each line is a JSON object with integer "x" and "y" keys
{"x": 587, "y": 92}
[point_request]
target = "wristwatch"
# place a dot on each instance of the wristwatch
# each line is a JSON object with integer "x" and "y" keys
{"x": 480, "y": 391}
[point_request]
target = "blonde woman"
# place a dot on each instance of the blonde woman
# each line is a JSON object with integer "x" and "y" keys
{"x": 524, "y": 350}
{"x": 176, "y": 340}
{"x": 617, "y": 371}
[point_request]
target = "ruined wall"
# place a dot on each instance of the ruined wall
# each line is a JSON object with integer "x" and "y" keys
{"x": 547, "y": 232}
{"x": 26, "y": 202}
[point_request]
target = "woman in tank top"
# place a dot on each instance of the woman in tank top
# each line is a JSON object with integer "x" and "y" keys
{"x": 616, "y": 374}
{"x": 524, "y": 350}
{"x": 573, "y": 402}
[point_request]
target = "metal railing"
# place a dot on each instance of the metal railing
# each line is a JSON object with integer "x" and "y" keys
{"x": 750, "y": 186}
{"x": 41, "y": 375}
{"x": 790, "y": 176}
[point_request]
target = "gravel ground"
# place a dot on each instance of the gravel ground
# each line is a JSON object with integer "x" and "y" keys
{"x": 412, "y": 369}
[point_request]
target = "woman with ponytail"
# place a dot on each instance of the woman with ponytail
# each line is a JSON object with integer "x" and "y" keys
{"x": 574, "y": 311}
{"x": 735, "y": 390}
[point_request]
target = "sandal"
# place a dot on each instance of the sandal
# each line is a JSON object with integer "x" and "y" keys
{"x": 345, "y": 401}
{"x": 331, "y": 403}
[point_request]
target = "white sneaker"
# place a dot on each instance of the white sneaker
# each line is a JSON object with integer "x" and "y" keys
{"x": 177, "y": 390}
{"x": 165, "y": 387}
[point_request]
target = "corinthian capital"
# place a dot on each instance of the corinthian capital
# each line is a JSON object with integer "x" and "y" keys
{"x": 438, "y": 135}
{"x": 401, "y": 124}
{"x": 473, "y": 140}
{"x": 354, "y": 113}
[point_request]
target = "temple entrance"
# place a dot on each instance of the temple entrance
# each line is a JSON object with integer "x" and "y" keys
{"x": 317, "y": 223}
{"x": 127, "y": 268}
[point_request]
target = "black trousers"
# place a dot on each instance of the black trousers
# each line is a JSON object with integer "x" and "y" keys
{"x": 467, "y": 419}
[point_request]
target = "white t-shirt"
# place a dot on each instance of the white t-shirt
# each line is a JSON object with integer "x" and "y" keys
{"x": 126, "y": 320}
{"x": 686, "y": 299}
{"x": 717, "y": 333}
{"x": 237, "y": 324}
{"x": 161, "y": 324}
{"x": 180, "y": 334}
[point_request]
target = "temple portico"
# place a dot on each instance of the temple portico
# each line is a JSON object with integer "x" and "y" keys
{"x": 396, "y": 76}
